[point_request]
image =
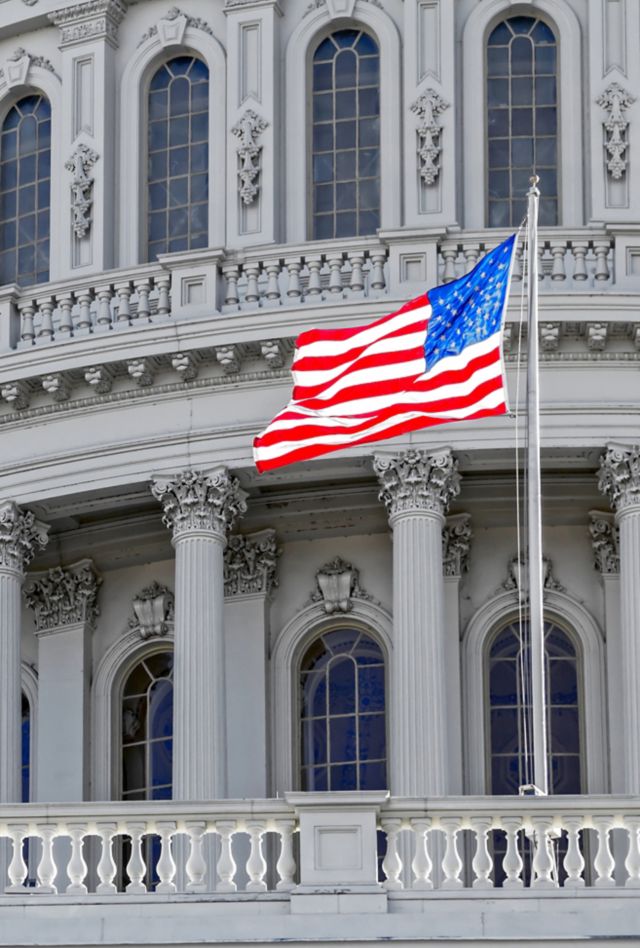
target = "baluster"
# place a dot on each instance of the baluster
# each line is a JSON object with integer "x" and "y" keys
{"x": 136, "y": 867}
{"x": 378, "y": 281}
{"x": 601, "y": 248}
{"x": 293, "y": 290}
{"x": 65, "y": 305}
{"x": 450, "y": 255}
{"x": 27, "y": 333}
{"x": 579, "y": 254}
{"x": 47, "y": 868}
{"x": 482, "y": 863}
{"x": 471, "y": 254}
{"x": 231, "y": 274}
{"x": 632, "y": 862}
{"x": 543, "y": 864}
{"x": 124, "y": 291}
{"x": 541, "y": 252}
{"x": 76, "y": 867}
{"x": 107, "y": 865}
{"x": 163, "y": 283}
{"x": 103, "y": 316}
{"x": 604, "y": 863}
{"x": 45, "y": 308}
{"x": 451, "y": 861}
{"x": 84, "y": 314}
{"x": 256, "y": 864}
{"x": 196, "y": 866}
{"x": 143, "y": 288}
{"x": 392, "y": 864}
{"x": 17, "y": 870}
{"x": 226, "y": 867}
{"x": 512, "y": 864}
{"x": 252, "y": 271}
{"x": 573, "y": 860}
{"x": 272, "y": 268}
{"x": 166, "y": 867}
{"x": 357, "y": 280}
{"x": 286, "y": 864}
{"x": 558, "y": 269}
{"x": 335, "y": 275}
{"x": 421, "y": 865}
{"x": 315, "y": 285}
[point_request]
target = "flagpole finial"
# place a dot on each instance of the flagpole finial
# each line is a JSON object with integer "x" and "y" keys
{"x": 533, "y": 181}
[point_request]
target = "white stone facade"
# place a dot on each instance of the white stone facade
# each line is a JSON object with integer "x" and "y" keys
{"x": 130, "y": 391}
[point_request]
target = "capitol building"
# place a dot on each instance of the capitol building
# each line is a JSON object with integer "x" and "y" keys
{"x": 293, "y": 707}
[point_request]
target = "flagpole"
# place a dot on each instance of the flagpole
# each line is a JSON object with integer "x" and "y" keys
{"x": 534, "y": 513}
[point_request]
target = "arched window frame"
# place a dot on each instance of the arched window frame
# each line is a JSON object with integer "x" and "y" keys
{"x": 573, "y": 618}
{"x": 289, "y": 649}
{"x": 566, "y": 27}
{"x": 133, "y": 140}
{"x": 29, "y": 684}
{"x": 303, "y": 42}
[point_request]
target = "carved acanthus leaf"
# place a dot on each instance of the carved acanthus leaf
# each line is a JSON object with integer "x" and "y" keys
{"x": 195, "y": 502}
{"x": 337, "y": 584}
{"x": 417, "y": 481}
{"x": 619, "y": 477}
{"x": 518, "y": 577}
{"x": 80, "y": 164}
{"x": 64, "y": 596}
{"x": 153, "y": 611}
{"x": 250, "y": 563}
{"x": 615, "y": 101}
{"x": 428, "y": 107}
{"x": 247, "y": 130}
{"x": 456, "y": 543}
{"x": 20, "y": 534}
{"x": 605, "y": 540}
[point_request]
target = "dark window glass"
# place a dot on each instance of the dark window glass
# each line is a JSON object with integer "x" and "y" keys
{"x": 147, "y": 729}
{"x": 522, "y": 119}
{"x": 177, "y": 144}
{"x": 26, "y": 748}
{"x": 25, "y": 184}
{"x": 345, "y": 137}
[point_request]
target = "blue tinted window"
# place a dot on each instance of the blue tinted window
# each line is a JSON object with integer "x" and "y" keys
{"x": 26, "y": 749}
{"x": 147, "y": 729}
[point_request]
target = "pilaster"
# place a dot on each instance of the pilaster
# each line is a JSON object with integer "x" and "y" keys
{"x": 199, "y": 509}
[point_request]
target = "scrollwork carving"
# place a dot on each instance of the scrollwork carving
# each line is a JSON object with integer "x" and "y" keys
{"x": 172, "y": 25}
{"x": 80, "y": 164}
{"x": 615, "y": 101}
{"x": 428, "y": 107}
{"x": 619, "y": 477}
{"x": 417, "y": 481}
{"x": 456, "y": 544}
{"x": 195, "y": 502}
{"x": 605, "y": 540}
{"x": 250, "y": 564}
{"x": 153, "y": 611}
{"x": 337, "y": 584}
{"x": 64, "y": 596}
{"x": 518, "y": 577}
{"x": 20, "y": 535}
{"x": 247, "y": 130}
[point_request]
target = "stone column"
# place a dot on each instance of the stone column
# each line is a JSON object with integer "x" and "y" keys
{"x": 199, "y": 508}
{"x": 619, "y": 479}
{"x": 416, "y": 488}
{"x": 64, "y": 605}
{"x": 20, "y": 534}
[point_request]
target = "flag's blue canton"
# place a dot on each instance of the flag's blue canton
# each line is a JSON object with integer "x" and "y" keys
{"x": 469, "y": 309}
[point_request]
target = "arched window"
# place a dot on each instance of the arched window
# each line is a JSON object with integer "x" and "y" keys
{"x": 522, "y": 119}
{"x": 25, "y": 177}
{"x": 342, "y": 713}
{"x": 147, "y": 729}
{"x": 26, "y": 749}
{"x": 178, "y": 146}
{"x": 510, "y": 711}
{"x": 346, "y": 136}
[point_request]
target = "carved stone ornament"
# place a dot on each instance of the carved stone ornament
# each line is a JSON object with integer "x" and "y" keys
{"x": 605, "y": 540}
{"x": 20, "y": 534}
{"x": 417, "y": 481}
{"x": 195, "y": 502}
{"x": 64, "y": 596}
{"x": 428, "y": 107}
{"x": 250, "y": 563}
{"x": 93, "y": 19}
{"x": 337, "y": 584}
{"x": 170, "y": 28}
{"x": 619, "y": 477}
{"x": 80, "y": 164}
{"x": 247, "y": 130}
{"x": 518, "y": 577}
{"x": 615, "y": 101}
{"x": 456, "y": 543}
{"x": 16, "y": 68}
{"x": 153, "y": 610}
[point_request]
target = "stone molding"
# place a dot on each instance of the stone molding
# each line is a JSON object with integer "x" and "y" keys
{"x": 153, "y": 611}
{"x": 94, "y": 19}
{"x": 619, "y": 477}
{"x": 197, "y": 502}
{"x": 337, "y": 585}
{"x": 605, "y": 540}
{"x": 428, "y": 107}
{"x": 417, "y": 481}
{"x": 170, "y": 28}
{"x": 248, "y": 130}
{"x": 615, "y": 101}
{"x": 64, "y": 596}
{"x": 456, "y": 544}
{"x": 80, "y": 164}
{"x": 518, "y": 578}
{"x": 21, "y": 534}
{"x": 250, "y": 562}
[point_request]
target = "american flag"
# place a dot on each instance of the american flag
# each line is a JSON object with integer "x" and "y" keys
{"x": 437, "y": 359}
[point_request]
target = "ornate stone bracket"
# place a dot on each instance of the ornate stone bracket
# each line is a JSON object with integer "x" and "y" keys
{"x": 417, "y": 481}
{"x": 337, "y": 585}
{"x": 16, "y": 69}
{"x": 619, "y": 477}
{"x": 428, "y": 107}
{"x": 195, "y": 502}
{"x": 518, "y": 577}
{"x": 456, "y": 543}
{"x": 615, "y": 101}
{"x": 20, "y": 535}
{"x": 170, "y": 28}
{"x": 250, "y": 564}
{"x": 80, "y": 164}
{"x": 153, "y": 611}
{"x": 64, "y": 596}
{"x": 605, "y": 540}
{"x": 247, "y": 130}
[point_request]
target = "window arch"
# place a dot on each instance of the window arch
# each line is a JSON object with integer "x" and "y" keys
{"x": 25, "y": 179}
{"x": 345, "y": 135}
{"x": 146, "y": 738}
{"x": 178, "y": 157}
{"x": 342, "y": 712}
{"x": 522, "y": 119}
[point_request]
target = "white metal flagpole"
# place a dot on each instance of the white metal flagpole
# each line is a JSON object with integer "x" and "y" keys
{"x": 534, "y": 516}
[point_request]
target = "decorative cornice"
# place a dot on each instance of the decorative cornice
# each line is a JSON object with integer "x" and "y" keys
{"x": 250, "y": 563}
{"x": 153, "y": 611}
{"x": 428, "y": 107}
{"x": 518, "y": 577}
{"x": 170, "y": 28}
{"x": 619, "y": 477}
{"x": 605, "y": 540}
{"x": 195, "y": 502}
{"x": 456, "y": 544}
{"x": 417, "y": 481}
{"x": 20, "y": 534}
{"x": 615, "y": 101}
{"x": 91, "y": 20}
{"x": 337, "y": 584}
{"x": 248, "y": 130}
{"x": 63, "y": 597}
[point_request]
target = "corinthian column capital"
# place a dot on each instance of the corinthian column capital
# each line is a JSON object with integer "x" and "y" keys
{"x": 20, "y": 535}
{"x": 64, "y": 597}
{"x": 619, "y": 477}
{"x": 416, "y": 481}
{"x": 200, "y": 503}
